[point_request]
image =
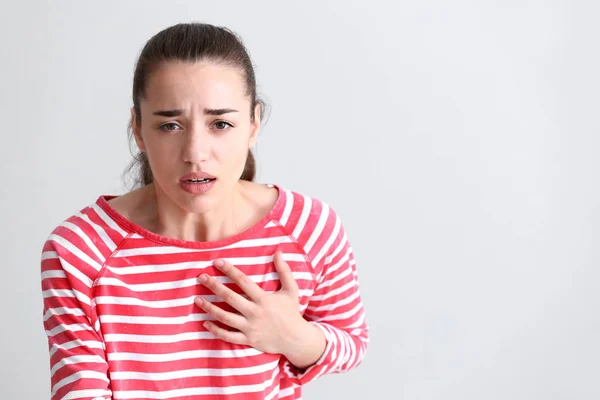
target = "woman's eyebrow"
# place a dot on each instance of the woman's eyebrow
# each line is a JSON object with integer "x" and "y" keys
{"x": 168, "y": 113}
{"x": 207, "y": 111}
{"x": 218, "y": 111}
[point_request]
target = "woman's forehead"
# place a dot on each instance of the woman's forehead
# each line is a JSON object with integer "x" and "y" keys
{"x": 194, "y": 82}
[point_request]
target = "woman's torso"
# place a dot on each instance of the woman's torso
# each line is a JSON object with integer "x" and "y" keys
{"x": 156, "y": 345}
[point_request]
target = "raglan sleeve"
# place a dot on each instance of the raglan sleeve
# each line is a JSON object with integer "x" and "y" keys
{"x": 336, "y": 306}
{"x": 78, "y": 366}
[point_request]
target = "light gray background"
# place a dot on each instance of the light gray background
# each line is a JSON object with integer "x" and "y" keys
{"x": 457, "y": 140}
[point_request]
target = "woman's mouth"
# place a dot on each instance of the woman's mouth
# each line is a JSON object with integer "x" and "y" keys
{"x": 197, "y": 182}
{"x": 203, "y": 180}
{"x": 197, "y": 186}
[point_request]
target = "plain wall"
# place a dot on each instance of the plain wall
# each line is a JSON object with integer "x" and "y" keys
{"x": 457, "y": 140}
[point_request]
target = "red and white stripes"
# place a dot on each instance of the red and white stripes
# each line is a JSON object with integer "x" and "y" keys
{"x": 120, "y": 317}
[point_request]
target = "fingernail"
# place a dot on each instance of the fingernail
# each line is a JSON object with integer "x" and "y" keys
{"x": 202, "y": 278}
{"x": 218, "y": 263}
{"x": 199, "y": 301}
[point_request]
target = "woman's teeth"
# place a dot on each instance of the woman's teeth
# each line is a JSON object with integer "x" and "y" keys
{"x": 198, "y": 180}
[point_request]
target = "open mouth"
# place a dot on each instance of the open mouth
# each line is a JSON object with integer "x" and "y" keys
{"x": 203, "y": 180}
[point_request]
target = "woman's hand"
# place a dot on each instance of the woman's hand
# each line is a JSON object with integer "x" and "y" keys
{"x": 269, "y": 322}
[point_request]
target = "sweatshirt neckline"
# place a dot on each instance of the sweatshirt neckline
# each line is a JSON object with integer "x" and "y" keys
{"x": 130, "y": 226}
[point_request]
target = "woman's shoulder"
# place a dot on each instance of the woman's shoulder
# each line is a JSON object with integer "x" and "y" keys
{"x": 307, "y": 216}
{"x": 91, "y": 233}
{"x": 314, "y": 225}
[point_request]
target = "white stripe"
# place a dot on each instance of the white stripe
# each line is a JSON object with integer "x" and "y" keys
{"x": 199, "y": 265}
{"x": 79, "y": 232}
{"x": 62, "y": 311}
{"x": 358, "y": 332}
{"x": 331, "y": 338}
{"x": 346, "y": 349}
{"x": 91, "y": 344}
{"x": 318, "y": 229}
{"x": 327, "y": 246}
{"x": 289, "y": 202}
{"x": 144, "y": 320}
{"x": 149, "y": 287}
{"x": 190, "y": 282}
{"x": 191, "y": 373}
{"x": 184, "y": 301}
{"x": 353, "y": 352}
{"x": 82, "y": 297}
{"x": 148, "y": 251}
{"x": 287, "y": 391}
{"x": 70, "y": 328}
{"x": 108, "y": 220}
{"x": 337, "y": 250}
{"x": 57, "y": 293}
{"x": 55, "y": 273}
{"x": 84, "y": 374}
{"x": 76, "y": 273}
{"x": 49, "y": 255}
{"x": 260, "y": 242}
{"x": 93, "y": 358}
{"x": 331, "y": 270}
{"x": 333, "y": 293}
{"x": 344, "y": 315}
{"x": 94, "y": 394}
{"x": 134, "y": 301}
{"x": 75, "y": 251}
{"x": 66, "y": 293}
{"x": 180, "y": 337}
{"x": 335, "y": 305}
{"x": 356, "y": 324}
{"x": 274, "y": 392}
{"x": 303, "y": 217}
{"x": 152, "y": 268}
{"x": 343, "y": 244}
{"x": 226, "y": 390}
{"x": 184, "y": 355}
{"x": 99, "y": 230}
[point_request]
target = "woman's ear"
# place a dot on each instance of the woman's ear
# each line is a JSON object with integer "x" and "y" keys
{"x": 255, "y": 127}
{"x": 137, "y": 135}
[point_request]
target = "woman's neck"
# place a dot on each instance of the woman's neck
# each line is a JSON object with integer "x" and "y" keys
{"x": 171, "y": 220}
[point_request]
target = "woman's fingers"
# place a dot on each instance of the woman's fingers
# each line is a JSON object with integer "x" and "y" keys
{"x": 233, "y": 320}
{"x": 285, "y": 273}
{"x": 224, "y": 334}
{"x": 230, "y": 297}
{"x": 247, "y": 285}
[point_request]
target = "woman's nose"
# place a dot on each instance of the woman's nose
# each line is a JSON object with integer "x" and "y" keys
{"x": 196, "y": 146}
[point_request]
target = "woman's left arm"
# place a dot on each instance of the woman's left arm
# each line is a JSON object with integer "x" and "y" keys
{"x": 337, "y": 309}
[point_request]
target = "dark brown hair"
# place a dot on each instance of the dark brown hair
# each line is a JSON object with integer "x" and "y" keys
{"x": 190, "y": 42}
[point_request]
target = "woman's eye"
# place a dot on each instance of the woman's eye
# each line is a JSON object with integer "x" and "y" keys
{"x": 170, "y": 126}
{"x": 222, "y": 125}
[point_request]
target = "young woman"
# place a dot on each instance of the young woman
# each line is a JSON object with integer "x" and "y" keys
{"x": 199, "y": 284}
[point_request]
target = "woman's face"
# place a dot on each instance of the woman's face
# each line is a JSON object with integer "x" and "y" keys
{"x": 195, "y": 117}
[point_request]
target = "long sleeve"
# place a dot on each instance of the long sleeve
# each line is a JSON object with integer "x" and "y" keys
{"x": 78, "y": 365}
{"x": 335, "y": 306}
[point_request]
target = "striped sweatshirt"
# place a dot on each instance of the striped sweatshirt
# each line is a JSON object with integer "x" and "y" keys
{"x": 121, "y": 321}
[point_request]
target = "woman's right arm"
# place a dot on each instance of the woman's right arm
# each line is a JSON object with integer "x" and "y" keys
{"x": 79, "y": 369}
